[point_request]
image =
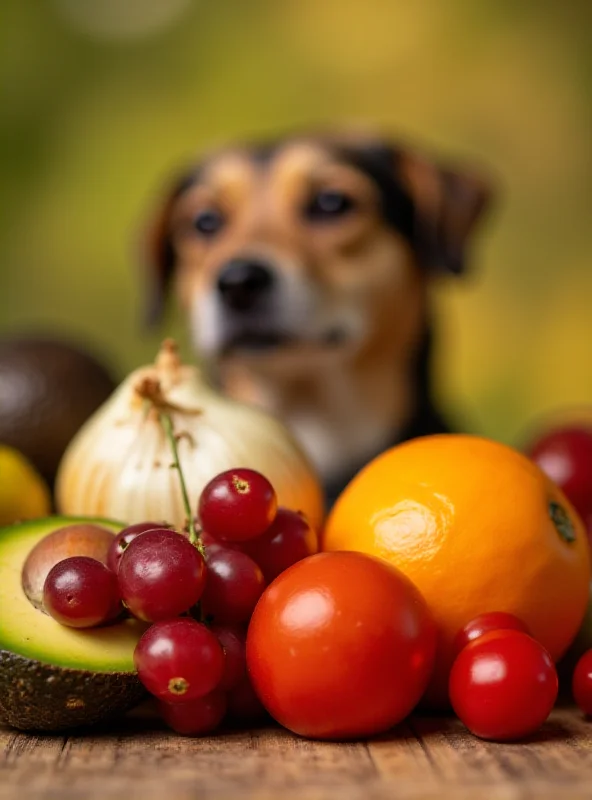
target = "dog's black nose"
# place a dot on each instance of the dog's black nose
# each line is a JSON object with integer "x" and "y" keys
{"x": 243, "y": 281}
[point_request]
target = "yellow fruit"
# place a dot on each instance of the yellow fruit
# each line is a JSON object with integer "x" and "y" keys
{"x": 477, "y": 527}
{"x": 23, "y": 493}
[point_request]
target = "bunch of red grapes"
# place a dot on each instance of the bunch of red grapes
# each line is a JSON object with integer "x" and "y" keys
{"x": 198, "y": 596}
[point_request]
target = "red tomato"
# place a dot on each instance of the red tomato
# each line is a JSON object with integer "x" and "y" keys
{"x": 582, "y": 683}
{"x": 565, "y": 454}
{"x": 485, "y": 623}
{"x": 503, "y": 685}
{"x": 340, "y": 645}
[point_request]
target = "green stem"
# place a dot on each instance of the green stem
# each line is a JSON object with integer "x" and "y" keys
{"x": 167, "y": 424}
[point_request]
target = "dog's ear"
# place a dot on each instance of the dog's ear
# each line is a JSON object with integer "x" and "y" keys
{"x": 447, "y": 204}
{"x": 156, "y": 250}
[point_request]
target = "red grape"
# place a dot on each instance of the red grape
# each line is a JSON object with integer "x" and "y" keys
{"x": 237, "y": 505}
{"x": 179, "y": 660}
{"x": 124, "y": 538}
{"x": 196, "y": 717}
{"x": 289, "y": 539}
{"x": 234, "y": 585}
{"x": 81, "y": 592}
{"x": 232, "y": 640}
{"x": 244, "y": 707}
{"x": 161, "y": 575}
{"x": 210, "y": 541}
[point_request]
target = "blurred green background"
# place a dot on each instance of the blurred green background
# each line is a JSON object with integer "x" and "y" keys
{"x": 103, "y": 98}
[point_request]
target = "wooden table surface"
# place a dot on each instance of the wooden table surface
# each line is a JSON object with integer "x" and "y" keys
{"x": 423, "y": 758}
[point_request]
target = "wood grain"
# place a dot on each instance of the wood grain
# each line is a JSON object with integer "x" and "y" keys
{"x": 426, "y": 757}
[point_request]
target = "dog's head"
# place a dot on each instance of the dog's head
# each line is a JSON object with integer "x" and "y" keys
{"x": 309, "y": 246}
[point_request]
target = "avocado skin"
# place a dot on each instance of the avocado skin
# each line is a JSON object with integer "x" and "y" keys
{"x": 51, "y": 387}
{"x": 41, "y": 697}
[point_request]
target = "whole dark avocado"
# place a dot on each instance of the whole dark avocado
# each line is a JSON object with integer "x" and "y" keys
{"x": 48, "y": 389}
{"x": 53, "y": 678}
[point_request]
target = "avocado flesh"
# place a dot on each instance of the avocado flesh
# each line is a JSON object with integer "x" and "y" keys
{"x": 52, "y": 677}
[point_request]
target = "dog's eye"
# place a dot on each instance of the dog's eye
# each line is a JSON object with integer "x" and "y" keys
{"x": 328, "y": 204}
{"x": 208, "y": 222}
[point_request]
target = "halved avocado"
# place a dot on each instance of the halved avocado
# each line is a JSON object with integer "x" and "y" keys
{"x": 51, "y": 677}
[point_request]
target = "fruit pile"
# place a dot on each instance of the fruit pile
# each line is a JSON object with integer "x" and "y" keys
{"x": 454, "y": 573}
{"x": 357, "y": 665}
{"x": 197, "y": 589}
{"x": 478, "y": 528}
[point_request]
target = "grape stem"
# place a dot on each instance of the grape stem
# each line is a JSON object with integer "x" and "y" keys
{"x": 167, "y": 424}
{"x": 151, "y": 393}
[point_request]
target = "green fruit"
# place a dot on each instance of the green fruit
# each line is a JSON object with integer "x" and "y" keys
{"x": 49, "y": 389}
{"x": 52, "y": 677}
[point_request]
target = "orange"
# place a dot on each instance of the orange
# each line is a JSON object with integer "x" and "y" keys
{"x": 477, "y": 527}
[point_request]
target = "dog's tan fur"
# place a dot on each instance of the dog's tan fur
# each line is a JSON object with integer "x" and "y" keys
{"x": 344, "y": 403}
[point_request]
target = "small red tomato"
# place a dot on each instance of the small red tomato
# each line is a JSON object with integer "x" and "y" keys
{"x": 485, "y": 623}
{"x": 341, "y": 645}
{"x": 582, "y": 683}
{"x": 503, "y": 685}
{"x": 565, "y": 454}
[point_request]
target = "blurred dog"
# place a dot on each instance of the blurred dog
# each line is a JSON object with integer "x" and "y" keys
{"x": 303, "y": 266}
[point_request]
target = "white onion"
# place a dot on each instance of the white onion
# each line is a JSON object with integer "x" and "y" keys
{"x": 119, "y": 463}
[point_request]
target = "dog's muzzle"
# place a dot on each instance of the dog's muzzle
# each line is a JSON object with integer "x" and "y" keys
{"x": 247, "y": 289}
{"x": 244, "y": 284}
{"x": 255, "y": 307}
